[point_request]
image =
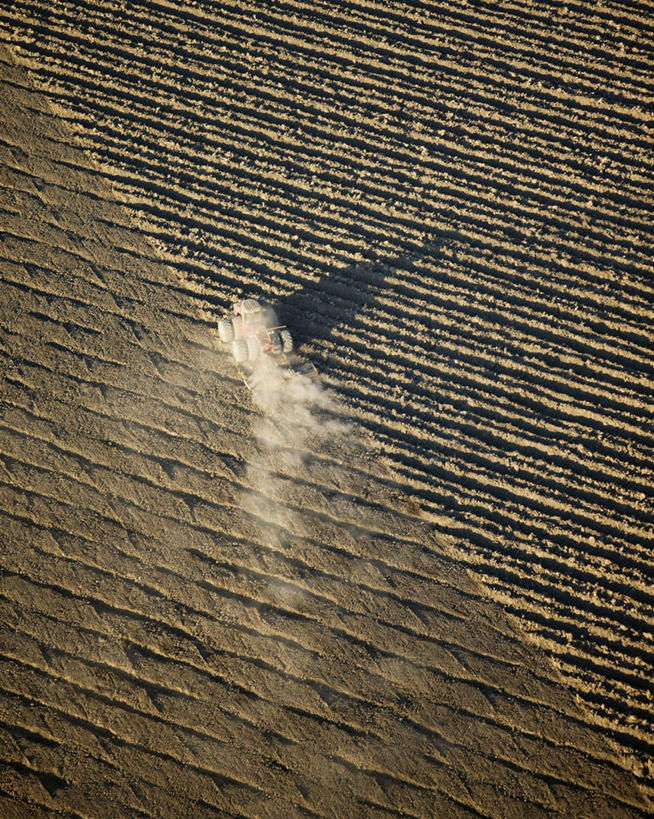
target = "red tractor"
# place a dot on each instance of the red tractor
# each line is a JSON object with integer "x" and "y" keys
{"x": 254, "y": 330}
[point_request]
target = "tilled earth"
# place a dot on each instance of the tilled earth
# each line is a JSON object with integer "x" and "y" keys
{"x": 418, "y": 587}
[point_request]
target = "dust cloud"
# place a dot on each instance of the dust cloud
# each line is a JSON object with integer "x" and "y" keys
{"x": 296, "y": 418}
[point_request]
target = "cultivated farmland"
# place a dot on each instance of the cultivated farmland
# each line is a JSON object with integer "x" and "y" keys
{"x": 421, "y": 587}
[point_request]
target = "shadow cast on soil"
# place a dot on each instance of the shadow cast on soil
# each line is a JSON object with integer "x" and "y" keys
{"x": 337, "y": 297}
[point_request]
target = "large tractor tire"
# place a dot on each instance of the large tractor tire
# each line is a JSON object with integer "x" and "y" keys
{"x": 226, "y": 330}
{"x": 287, "y": 340}
{"x": 240, "y": 351}
{"x": 253, "y": 347}
{"x": 276, "y": 341}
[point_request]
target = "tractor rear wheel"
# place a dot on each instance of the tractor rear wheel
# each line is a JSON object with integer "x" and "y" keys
{"x": 276, "y": 341}
{"x": 239, "y": 351}
{"x": 287, "y": 340}
{"x": 226, "y": 330}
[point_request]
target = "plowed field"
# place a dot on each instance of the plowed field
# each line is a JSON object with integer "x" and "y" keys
{"x": 421, "y": 586}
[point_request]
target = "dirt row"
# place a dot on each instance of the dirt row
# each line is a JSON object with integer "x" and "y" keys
{"x": 488, "y": 339}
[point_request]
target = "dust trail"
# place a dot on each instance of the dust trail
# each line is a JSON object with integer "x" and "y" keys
{"x": 297, "y": 417}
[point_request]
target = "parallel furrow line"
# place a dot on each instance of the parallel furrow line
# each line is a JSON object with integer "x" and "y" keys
{"x": 550, "y": 263}
{"x": 285, "y": 32}
{"x": 131, "y": 182}
{"x": 452, "y": 436}
{"x": 76, "y": 691}
{"x": 436, "y": 27}
{"x": 473, "y": 488}
{"x": 526, "y": 190}
{"x": 313, "y": 91}
{"x": 470, "y": 183}
{"x": 457, "y": 25}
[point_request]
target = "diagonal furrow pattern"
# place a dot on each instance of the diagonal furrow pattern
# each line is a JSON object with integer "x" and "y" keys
{"x": 451, "y": 205}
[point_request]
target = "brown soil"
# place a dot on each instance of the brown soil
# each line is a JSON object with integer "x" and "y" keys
{"x": 421, "y": 587}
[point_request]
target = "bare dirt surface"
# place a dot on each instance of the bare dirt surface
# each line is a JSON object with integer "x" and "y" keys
{"x": 422, "y": 587}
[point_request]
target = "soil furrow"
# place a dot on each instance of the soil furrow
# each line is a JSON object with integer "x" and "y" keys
{"x": 416, "y": 585}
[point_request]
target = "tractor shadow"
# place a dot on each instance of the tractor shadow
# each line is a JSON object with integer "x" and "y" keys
{"x": 341, "y": 294}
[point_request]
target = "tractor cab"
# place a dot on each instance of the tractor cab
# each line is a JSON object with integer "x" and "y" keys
{"x": 254, "y": 316}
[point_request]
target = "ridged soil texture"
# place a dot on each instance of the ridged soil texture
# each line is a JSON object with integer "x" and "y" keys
{"x": 420, "y": 585}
